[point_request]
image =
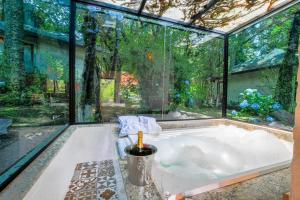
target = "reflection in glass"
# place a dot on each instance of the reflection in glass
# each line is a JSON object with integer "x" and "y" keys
{"x": 34, "y": 71}
{"x": 130, "y": 66}
{"x": 263, "y": 67}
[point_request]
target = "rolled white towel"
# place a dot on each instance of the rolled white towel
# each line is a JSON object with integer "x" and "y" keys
{"x": 121, "y": 144}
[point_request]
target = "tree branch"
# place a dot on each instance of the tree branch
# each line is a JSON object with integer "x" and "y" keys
{"x": 207, "y": 7}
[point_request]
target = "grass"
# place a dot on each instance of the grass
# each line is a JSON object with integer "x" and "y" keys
{"x": 209, "y": 111}
{"x": 35, "y": 115}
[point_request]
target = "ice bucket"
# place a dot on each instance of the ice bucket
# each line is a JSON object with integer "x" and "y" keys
{"x": 139, "y": 167}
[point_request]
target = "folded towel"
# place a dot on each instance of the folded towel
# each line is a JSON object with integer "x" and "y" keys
{"x": 150, "y": 125}
{"x": 128, "y": 125}
{"x": 121, "y": 144}
{"x": 132, "y": 124}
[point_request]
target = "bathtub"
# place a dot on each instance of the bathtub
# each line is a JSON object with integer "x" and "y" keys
{"x": 195, "y": 158}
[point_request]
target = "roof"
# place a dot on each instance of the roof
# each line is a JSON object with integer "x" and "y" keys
{"x": 219, "y": 15}
{"x": 274, "y": 58}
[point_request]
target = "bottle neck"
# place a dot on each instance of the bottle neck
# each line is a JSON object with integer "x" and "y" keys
{"x": 140, "y": 140}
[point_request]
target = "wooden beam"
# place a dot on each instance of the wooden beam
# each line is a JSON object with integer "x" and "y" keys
{"x": 286, "y": 196}
{"x": 295, "y": 192}
{"x": 206, "y": 8}
{"x": 143, "y": 3}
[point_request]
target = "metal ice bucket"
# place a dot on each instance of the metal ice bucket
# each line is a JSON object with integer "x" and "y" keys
{"x": 139, "y": 167}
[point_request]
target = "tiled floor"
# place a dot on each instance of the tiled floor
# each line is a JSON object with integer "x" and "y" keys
{"x": 94, "y": 180}
{"x": 86, "y": 144}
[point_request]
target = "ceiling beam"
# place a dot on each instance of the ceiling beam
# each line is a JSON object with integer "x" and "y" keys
{"x": 206, "y": 8}
{"x": 143, "y": 3}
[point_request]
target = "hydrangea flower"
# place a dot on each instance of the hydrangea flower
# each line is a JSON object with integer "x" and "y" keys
{"x": 234, "y": 113}
{"x": 250, "y": 91}
{"x": 255, "y": 106}
{"x": 276, "y": 106}
{"x": 187, "y": 82}
{"x": 270, "y": 119}
{"x": 191, "y": 102}
{"x": 177, "y": 95}
{"x": 244, "y": 104}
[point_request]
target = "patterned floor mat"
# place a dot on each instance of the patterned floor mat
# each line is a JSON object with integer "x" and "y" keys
{"x": 98, "y": 180}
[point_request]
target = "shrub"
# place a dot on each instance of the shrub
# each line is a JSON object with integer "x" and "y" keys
{"x": 254, "y": 103}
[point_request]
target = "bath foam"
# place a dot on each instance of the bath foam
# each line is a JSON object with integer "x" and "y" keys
{"x": 193, "y": 158}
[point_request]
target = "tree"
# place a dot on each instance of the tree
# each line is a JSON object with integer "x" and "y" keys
{"x": 13, "y": 44}
{"x": 90, "y": 93}
{"x": 116, "y": 61}
{"x": 285, "y": 83}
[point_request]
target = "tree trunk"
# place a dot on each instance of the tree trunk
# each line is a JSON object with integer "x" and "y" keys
{"x": 90, "y": 94}
{"x": 116, "y": 63}
{"x": 154, "y": 76}
{"x": 284, "y": 86}
{"x": 13, "y": 44}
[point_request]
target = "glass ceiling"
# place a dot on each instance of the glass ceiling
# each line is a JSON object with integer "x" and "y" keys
{"x": 220, "y": 15}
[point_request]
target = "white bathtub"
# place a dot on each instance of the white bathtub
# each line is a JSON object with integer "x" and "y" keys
{"x": 197, "y": 160}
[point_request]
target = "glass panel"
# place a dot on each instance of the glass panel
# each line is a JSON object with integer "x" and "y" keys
{"x": 132, "y": 4}
{"x": 33, "y": 74}
{"x": 178, "y": 10}
{"x": 262, "y": 73}
{"x": 129, "y": 65}
{"x": 223, "y": 15}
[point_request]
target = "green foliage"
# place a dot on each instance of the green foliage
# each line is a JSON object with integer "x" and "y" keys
{"x": 107, "y": 92}
{"x": 253, "y": 103}
{"x": 49, "y": 15}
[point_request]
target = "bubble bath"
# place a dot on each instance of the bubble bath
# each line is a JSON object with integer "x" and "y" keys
{"x": 191, "y": 158}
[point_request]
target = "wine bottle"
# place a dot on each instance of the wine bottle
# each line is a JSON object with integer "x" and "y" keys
{"x": 140, "y": 144}
{"x": 141, "y": 149}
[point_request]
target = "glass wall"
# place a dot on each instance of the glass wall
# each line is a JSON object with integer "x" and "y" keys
{"x": 263, "y": 63}
{"x": 128, "y": 65}
{"x": 34, "y": 63}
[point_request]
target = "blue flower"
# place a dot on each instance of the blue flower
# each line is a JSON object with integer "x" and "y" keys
{"x": 276, "y": 106}
{"x": 234, "y": 113}
{"x": 270, "y": 119}
{"x": 187, "y": 82}
{"x": 177, "y": 95}
{"x": 255, "y": 106}
{"x": 250, "y": 91}
{"x": 244, "y": 104}
{"x": 191, "y": 102}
